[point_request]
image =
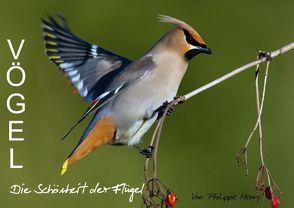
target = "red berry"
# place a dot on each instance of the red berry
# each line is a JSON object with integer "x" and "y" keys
{"x": 268, "y": 192}
{"x": 171, "y": 199}
{"x": 275, "y": 202}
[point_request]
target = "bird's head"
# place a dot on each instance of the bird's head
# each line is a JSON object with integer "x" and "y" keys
{"x": 184, "y": 40}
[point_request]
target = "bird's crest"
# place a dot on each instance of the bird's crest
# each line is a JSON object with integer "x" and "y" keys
{"x": 182, "y": 25}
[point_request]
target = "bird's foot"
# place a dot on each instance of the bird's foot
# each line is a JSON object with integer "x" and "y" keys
{"x": 148, "y": 152}
{"x": 162, "y": 108}
{"x": 170, "y": 111}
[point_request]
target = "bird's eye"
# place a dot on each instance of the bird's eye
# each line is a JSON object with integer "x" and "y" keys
{"x": 189, "y": 37}
{"x": 190, "y": 40}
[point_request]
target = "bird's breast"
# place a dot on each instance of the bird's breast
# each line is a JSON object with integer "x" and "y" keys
{"x": 157, "y": 87}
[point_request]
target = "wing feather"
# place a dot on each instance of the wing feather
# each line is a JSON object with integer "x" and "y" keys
{"x": 83, "y": 63}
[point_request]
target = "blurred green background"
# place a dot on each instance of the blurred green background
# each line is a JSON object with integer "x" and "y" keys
{"x": 199, "y": 142}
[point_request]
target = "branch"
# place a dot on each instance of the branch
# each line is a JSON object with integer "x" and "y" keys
{"x": 155, "y": 192}
{"x": 271, "y": 55}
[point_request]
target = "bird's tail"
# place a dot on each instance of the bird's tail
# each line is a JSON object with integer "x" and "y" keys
{"x": 103, "y": 132}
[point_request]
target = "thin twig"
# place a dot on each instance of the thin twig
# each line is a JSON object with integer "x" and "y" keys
{"x": 243, "y": 151}
{"x": 272, "y": 55}
{"x": 259, "y": 111}
{"x": 153, "y": 185}
{"x": 263, "y": 169}
{"x": 160, "y": 125}
{"x": 258, "y": 107}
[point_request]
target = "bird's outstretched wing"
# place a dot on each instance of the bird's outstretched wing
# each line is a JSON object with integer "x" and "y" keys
{"x": 88, "y": 67}
{"x": 97, "y": 74}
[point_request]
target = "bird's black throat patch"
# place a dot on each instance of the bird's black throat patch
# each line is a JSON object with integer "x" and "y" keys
{"x": 191, "y": 53}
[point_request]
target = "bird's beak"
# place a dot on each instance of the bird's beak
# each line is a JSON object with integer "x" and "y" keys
{"x": 194, "y": 50}
{"x": 205, "y": 50}
{"x": 201, "y": 49}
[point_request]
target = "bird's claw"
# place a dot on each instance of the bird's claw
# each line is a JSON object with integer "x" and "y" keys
{"x": 148, "y": 152}
{"x": 162, "y": 108}
{"x": 170, "y": 110}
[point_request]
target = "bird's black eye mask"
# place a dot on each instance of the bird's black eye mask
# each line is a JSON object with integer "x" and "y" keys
{"x": 201, "y": 48}
{"x": 190, "y": 40}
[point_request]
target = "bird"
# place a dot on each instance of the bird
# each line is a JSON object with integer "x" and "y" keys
{"x": 124, "y": 96}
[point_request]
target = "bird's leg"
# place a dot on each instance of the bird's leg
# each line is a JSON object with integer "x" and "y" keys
{"x": 148, "y": 152}
{"x": 149, "y": 113}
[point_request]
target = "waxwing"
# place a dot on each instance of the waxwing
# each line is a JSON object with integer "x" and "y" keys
{"x": 124, "y": 95}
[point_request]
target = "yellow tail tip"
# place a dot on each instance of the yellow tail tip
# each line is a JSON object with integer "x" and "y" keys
{"x": 64, "y": 167}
